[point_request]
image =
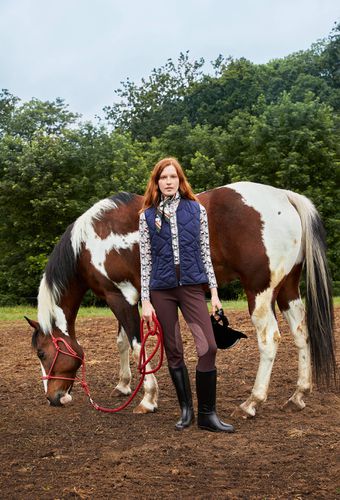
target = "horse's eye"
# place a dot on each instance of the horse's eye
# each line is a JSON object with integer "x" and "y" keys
{"x": 40, "y": 354}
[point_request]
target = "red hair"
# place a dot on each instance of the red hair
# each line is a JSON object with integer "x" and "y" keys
{"x": 152, "y": 193}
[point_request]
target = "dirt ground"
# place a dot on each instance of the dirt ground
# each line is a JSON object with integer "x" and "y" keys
{"x": 77, "y": 452}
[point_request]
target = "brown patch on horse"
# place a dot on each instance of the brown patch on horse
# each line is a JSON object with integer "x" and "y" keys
{"x": 290, "y": 288}
{"x": 71, "y": 300}
{"x": 238, "y": 250}
{"x": 123, "y": 266}
{"x": 121, "y": 220}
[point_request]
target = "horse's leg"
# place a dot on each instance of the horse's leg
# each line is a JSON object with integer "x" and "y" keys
{"x": 123, "y": 386}
{"x": 295, "y": 316}
{"x": 128, "y": 317}
{"x": 268, "y": 337}
{"x": 292, "y": 308}
{"x": 149, "y": 401}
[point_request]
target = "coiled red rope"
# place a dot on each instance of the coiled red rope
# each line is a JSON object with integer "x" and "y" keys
{"x": 142, "y": 363}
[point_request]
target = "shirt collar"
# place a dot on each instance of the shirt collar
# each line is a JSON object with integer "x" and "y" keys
{"x": 170, "y": 199}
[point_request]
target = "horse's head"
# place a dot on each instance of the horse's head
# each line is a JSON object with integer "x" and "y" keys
{"x": 60, "y": 357}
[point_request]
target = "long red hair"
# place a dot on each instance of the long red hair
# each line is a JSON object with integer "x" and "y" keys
{"x": 152, "y": 194}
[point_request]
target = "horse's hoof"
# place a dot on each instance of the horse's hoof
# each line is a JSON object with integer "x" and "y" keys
{"x": 294, "y": 404}
{"x": 119, "y": 393}
{"x": 141, "y": 409}
{"x": 249, "y": 410}
{"x": 239, "y": 413}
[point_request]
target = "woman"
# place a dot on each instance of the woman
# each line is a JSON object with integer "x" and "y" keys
{"x": 175, "y": 263}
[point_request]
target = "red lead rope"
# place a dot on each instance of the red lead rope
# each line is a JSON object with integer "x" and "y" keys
{"x": 142, "y": 363}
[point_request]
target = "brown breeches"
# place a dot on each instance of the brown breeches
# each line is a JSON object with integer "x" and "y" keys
{"x": 190, "y": 299}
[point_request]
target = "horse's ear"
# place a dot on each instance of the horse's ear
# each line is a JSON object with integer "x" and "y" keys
{"x": 34, "y": 324}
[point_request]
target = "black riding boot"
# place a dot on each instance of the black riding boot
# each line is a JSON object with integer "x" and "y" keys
{"x": 206, "y": 396}
{"x": 181, "y": 382}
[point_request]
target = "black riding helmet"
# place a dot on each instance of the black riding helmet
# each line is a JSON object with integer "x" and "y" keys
{"x": 225, "y": 336}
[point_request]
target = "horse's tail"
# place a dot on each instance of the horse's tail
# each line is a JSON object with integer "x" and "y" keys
{"x": 319, "y": 303}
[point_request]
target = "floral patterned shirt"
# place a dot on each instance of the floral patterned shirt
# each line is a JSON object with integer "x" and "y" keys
{"x": 145, "y": 248}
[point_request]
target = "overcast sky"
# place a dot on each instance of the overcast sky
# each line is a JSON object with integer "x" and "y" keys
{"x": 80, "y": 50}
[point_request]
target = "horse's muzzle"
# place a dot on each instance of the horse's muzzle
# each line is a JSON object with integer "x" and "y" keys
{"x": 60, "y": 399}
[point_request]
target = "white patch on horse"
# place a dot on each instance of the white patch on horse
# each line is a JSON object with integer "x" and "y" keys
{"x": 60, "y": 319}
{"x": 83, "y": 232}
{"x": 83, "y": 227}
{"x": 129, "y": 291}
{"x": 48, "y": 310}
{"x": 67, "y": 398}
{"x": 99, "y": 248}
{"x": 295, "y": 315}
{"x": 268, "y": 337}
{"x": 281, "y": 231}
{"x": 123, "y": 345}
{"x": 44, "y": 375}
{"x": 46, "y": 304}
{"x": 150, "y": 385}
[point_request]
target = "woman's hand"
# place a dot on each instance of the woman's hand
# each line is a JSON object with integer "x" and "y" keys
{"x": 147, "y": 310}
{"x": 215, "y": 301}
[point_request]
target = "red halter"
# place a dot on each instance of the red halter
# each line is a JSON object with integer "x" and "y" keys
{"x": 142, "y": 363}
{"x": 71, "y": 352}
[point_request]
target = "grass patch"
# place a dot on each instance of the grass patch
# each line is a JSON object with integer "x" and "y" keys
{"x": 17, "y": 313}
{"x": 234, "y": 305}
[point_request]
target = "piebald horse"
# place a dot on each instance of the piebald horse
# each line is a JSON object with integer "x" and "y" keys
{"x": 259, "y": 234}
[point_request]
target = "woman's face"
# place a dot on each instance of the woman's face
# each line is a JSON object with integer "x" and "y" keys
{"x": 168, "y": 182}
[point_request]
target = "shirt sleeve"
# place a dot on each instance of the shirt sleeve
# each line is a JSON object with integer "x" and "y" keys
{"x": 205, "y": 248}
{"x": 145, "y": 257}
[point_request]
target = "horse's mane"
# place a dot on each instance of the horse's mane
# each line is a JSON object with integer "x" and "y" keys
{"x": 62, "y": 263}
{"x": 123, "y": 198}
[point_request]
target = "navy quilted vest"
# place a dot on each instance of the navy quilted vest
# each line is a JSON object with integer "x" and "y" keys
{"x": 163, "y": 274}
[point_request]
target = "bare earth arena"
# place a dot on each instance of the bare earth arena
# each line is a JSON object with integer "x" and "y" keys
{"x": 77, "y": 452}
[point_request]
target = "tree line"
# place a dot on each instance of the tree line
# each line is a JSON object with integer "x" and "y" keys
{"x": 276, "y": 123}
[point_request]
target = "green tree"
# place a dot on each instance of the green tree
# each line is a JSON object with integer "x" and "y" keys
{"x": 41, "y": 117}
{"x": 216, "y": 99}
{"x": 146, "y": 110}
{"x": 8, "y": 104}
{"x": 203, "y": 174}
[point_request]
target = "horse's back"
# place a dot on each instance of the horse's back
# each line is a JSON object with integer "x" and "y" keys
{"x": 123, "y": 217}
{"x": 255, "y": 233}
